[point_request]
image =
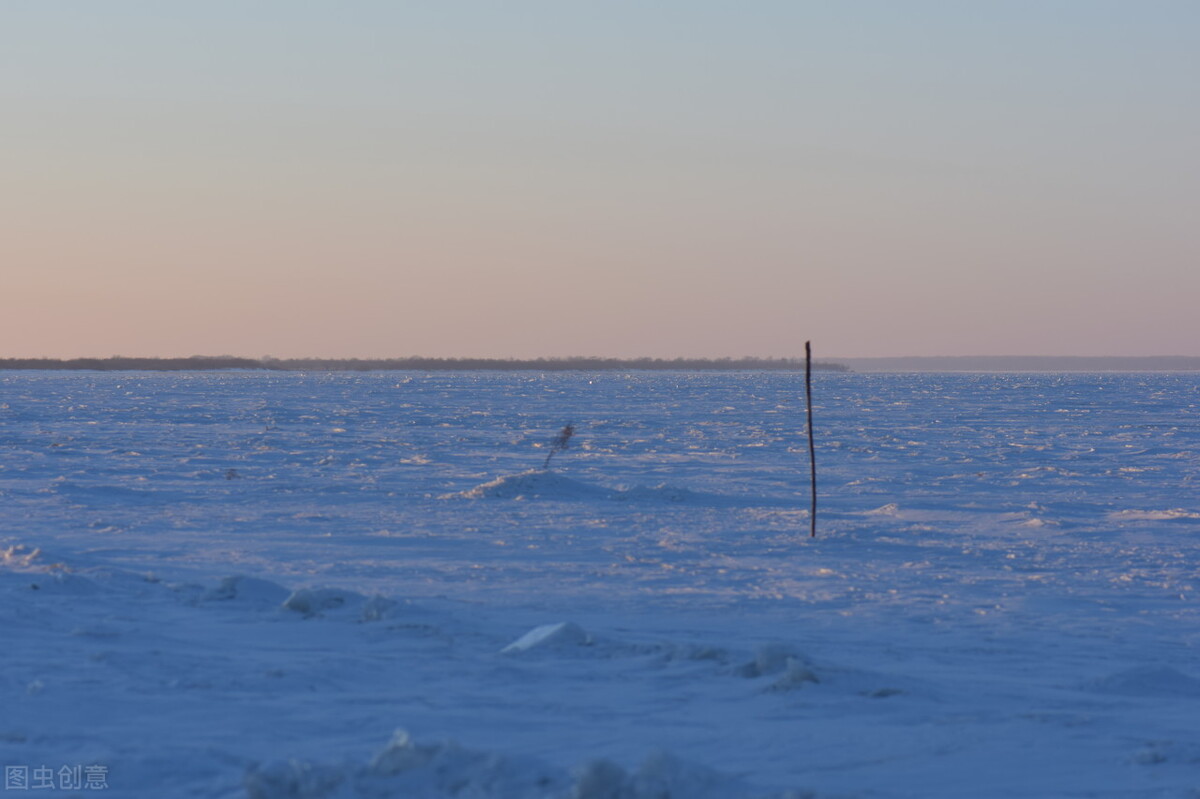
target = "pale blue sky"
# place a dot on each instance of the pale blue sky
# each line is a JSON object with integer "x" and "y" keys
{"x": 555, "y": 178}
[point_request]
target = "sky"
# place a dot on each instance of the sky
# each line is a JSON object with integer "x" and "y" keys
{"x": 524, "y": 179}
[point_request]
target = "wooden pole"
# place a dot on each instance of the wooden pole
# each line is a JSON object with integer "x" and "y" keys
{"x": 812, "y": 450}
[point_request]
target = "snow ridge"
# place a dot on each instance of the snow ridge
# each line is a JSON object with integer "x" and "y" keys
{"x": 445, "y": 769}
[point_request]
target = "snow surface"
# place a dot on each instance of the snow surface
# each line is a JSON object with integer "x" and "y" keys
{"x": 288, "y": 585}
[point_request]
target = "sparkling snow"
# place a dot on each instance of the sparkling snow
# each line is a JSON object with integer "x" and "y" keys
{"x": 337, "y": 585}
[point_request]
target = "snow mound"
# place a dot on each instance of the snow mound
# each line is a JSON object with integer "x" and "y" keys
{"x": 671, "y": 653}
{"x": 310, "y": 602}
{"x": 561, "y": 635}
{"x": 1148, "y": 681}
{"x": 65, "y": 583}
{"x": 659, "y": 493}
{"x": 30, "y": 568}
{"x": 1155, "y": 753}
{"x": 661, "y": 776}
{"x": 1153, "y": 515}
{"x": 378, "y": 608}
{"x": 110, "y": 496}
{"x": 790, "y": 668}
{"x": 19, "y": 557}
{"x": 542, "y": 484}
{"x": 769, "y": 659}
{"x": 533, "y": 484}
{"x": 412, "y": 770}
{"x": 22, "y": 558}
{"x": 248, "y": 589}
{"x": 439, "y": 770}
{"x": 796, "y": 674}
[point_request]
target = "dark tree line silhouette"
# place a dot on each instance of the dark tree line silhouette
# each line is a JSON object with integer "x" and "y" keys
{"x": 121, "y": 364}
{"x": 205, "y": 363}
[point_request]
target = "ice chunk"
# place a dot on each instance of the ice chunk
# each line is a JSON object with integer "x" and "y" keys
{"x": 561, "y": 634}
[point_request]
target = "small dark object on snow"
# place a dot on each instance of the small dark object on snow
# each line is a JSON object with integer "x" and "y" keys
{"x": 559, "y": 443}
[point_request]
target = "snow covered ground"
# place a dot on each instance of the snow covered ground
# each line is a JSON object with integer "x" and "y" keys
{"x": 288, "y": 585}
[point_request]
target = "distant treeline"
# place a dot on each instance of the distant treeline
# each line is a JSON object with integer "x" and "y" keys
{"x": 121, "y": 364}
{"x": 207, "y": 363}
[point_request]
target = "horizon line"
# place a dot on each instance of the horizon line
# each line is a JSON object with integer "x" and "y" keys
{"x": 722, "y": 358}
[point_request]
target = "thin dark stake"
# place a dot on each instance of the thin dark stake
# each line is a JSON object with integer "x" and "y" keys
{"x": 812, "y": 450}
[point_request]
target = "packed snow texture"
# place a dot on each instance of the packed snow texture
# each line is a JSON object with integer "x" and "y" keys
{"x": 339, "y": 586}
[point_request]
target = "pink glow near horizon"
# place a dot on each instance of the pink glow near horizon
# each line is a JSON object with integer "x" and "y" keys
{"x": 690, "y": 180}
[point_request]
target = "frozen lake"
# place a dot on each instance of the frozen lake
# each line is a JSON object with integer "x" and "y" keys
{"x": 240, "y": 584}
